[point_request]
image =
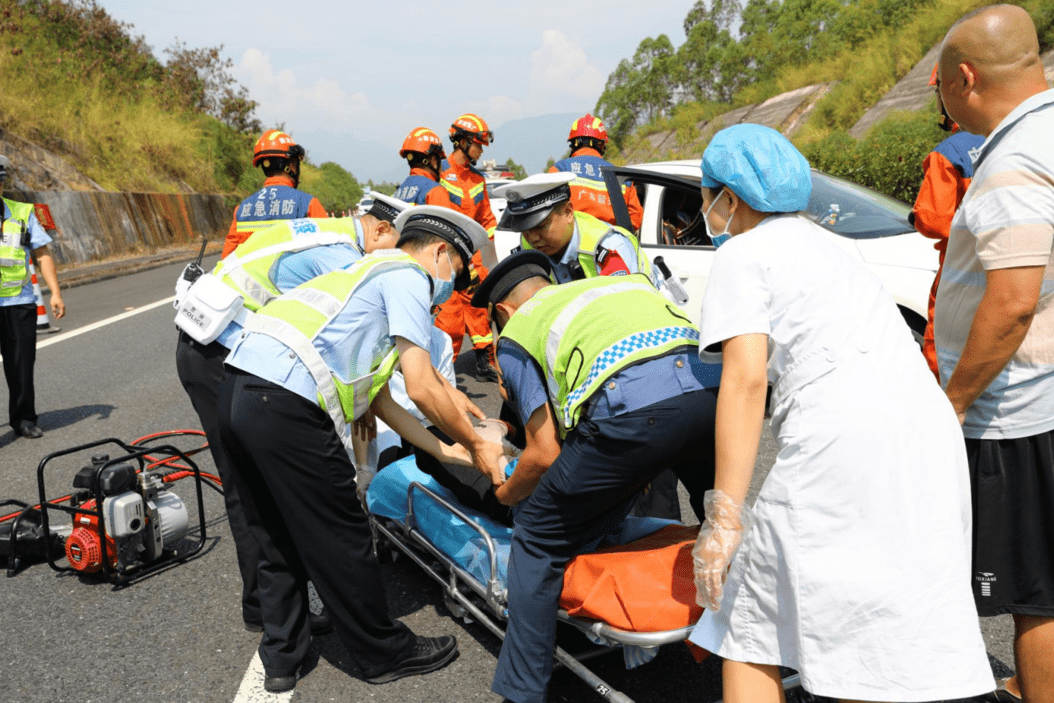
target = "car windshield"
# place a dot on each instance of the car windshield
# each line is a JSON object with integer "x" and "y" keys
{"x": 855, "y": 211}
{"x": 844, "y": 208}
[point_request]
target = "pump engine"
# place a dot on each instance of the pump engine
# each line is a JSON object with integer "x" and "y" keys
{"x": 140, "y": 518}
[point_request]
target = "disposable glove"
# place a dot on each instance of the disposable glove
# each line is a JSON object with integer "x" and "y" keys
{"x": 718, "y": 540}
{"x": 494, "y": 430}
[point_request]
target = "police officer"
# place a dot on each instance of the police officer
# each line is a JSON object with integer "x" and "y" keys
{"x": 578, "y": 244}
{"x": 279, "y": 156}
{"x": 20, "y": 234}
{"x": 588, "y": 140}
{"x": 306, "y": 365}
{"x": 581, "y": 246}
{"x": 424, "y": 153}
{"x": 267, "y": 264}
{"x": 604, "y": 374}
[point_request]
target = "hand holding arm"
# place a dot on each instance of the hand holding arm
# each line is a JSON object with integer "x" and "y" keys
{"x": 437, "y": 404}
{"x": 543, "y": 447}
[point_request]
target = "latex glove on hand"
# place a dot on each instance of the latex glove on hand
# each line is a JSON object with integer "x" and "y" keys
{"x": 497, "y": 431}
{"x": 363, "y": 475}
{"x": 719, "y": 538}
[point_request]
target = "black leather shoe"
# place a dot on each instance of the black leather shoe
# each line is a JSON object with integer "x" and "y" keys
{"x": 320, "y": 625}
{"x": 30, "y": 431}
{"x": 484, "y": 371}
{"x": 277, "y": 684}
{"x": 425, "y": 654}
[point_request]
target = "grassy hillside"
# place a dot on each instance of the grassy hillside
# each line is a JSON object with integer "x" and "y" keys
{"x": 863, "y": 47}
{"x": 83, "y": 86}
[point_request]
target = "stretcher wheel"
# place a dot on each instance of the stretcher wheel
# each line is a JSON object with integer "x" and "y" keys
{"x": 456, "y": 609}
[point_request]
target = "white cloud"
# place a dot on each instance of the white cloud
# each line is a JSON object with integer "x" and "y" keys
{"x": 322, "y": 104}
{"x": 561, "y": 75}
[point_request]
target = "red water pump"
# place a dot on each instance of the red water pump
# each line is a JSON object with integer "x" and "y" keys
{"x": 126, "y": 521}
{"x": 141, "y": 517}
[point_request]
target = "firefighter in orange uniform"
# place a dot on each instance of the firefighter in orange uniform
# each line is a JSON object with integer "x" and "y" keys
{"x": 588, "y": 140}
{"x": 467, "y": 190}
{"x": 279, "y": 157}
{"x": 423, "y": 151}
{"x": 948, "y": 170}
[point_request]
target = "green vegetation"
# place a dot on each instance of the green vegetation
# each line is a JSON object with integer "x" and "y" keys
{"x": 736, "y": 55}
{"x": 79, "y": 84}
{"x": 334, "y": 187}
{"x": 888, "y": 158}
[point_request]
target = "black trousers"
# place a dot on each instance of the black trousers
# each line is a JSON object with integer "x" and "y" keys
{"x": 18, "y": 346}
{"x": 586, "y": 493}
{"x": 200, "y": 369}
{"x": 298, "y": 495}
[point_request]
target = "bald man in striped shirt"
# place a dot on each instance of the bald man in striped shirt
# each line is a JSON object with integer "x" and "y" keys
{"x": 994, "y": 325}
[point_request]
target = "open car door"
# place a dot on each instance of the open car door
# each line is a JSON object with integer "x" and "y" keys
{"x": 672, "y": 226}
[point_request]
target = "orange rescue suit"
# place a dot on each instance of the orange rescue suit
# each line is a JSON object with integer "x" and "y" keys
{"x": 589, "y": 192}
{"x": 277, "y": 200}
{"x": 466, "y": 189}
{"x": 948, "y": 170}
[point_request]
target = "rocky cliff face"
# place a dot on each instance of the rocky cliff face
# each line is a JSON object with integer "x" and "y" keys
{"x": 788, "y": 112}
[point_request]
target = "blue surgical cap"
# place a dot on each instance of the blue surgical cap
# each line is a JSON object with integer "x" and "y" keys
{"x": 760, "y": 166}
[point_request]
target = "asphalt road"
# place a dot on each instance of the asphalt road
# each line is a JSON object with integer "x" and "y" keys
{"x": 177, "y": 635}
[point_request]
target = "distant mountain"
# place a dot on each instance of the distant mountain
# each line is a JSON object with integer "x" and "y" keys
{"x": 531, "y": 141}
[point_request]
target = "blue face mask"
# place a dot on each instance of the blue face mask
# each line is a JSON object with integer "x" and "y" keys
{"x": 442, "y": 289}
{"x": 717, "y": 239}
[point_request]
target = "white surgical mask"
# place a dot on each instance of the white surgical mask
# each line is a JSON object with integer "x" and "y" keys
{"x": 717, "y": 239}
{"x": 442, "y": 289}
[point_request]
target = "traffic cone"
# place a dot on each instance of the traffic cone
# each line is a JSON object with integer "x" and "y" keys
{"x": 43, "y": 321}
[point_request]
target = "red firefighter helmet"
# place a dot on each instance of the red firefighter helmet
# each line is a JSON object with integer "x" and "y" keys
{"x": 473, "y": 127}
{"x": 275, "y": 144}
{"x": 422, "y": 141}
{"x": 588, "y": 126}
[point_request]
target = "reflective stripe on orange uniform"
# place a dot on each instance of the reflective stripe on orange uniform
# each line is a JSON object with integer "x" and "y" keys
{"x": 467, "y": 191}
{"x": 589, "y": 193}
{"x": 288, "y": 210}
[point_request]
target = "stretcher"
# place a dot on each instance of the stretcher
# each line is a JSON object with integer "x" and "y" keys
{"x": 467, "y": 554}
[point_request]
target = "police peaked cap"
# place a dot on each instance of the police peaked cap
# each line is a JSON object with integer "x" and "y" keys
{"x": 386, "y": 207}
{"x": 508, "y": 274}
{"x": 531, "y": 200}
{"x": 465, "y": 234}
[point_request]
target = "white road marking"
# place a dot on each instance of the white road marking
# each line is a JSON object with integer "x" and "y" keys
{"x": 252, "y": 690}
{"x": 102, "y": 323}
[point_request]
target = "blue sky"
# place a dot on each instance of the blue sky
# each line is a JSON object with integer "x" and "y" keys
{"x": 351, "y": 79}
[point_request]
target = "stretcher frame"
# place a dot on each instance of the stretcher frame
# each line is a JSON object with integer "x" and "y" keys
{"x": 454, "y": 579}
{"x": 411, "y": 541}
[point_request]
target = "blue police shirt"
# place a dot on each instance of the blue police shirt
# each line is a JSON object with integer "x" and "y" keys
{"x": 636, "y": 387}
{"x": 37, "y": 238}
{"x": 394, "y": 304}
{"x": 294, "y": 268}
{"x": 613, "y": 241}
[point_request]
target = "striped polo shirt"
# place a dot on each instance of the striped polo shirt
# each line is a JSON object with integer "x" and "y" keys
{"x": 1006, "y": 220}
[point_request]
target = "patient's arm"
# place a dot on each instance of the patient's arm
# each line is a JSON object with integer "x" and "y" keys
{"x": 410, "y": 428}
{"x": 543, "y": 446}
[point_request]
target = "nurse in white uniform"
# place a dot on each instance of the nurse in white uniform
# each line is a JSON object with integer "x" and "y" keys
{"x": 853, "y": 566}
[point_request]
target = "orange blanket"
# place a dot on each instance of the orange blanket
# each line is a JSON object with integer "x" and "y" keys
{"x": 644, "y": 586}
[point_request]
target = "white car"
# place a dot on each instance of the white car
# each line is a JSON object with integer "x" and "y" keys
{"x": 872, "y": 227}
{"x": 497, "y": 205}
